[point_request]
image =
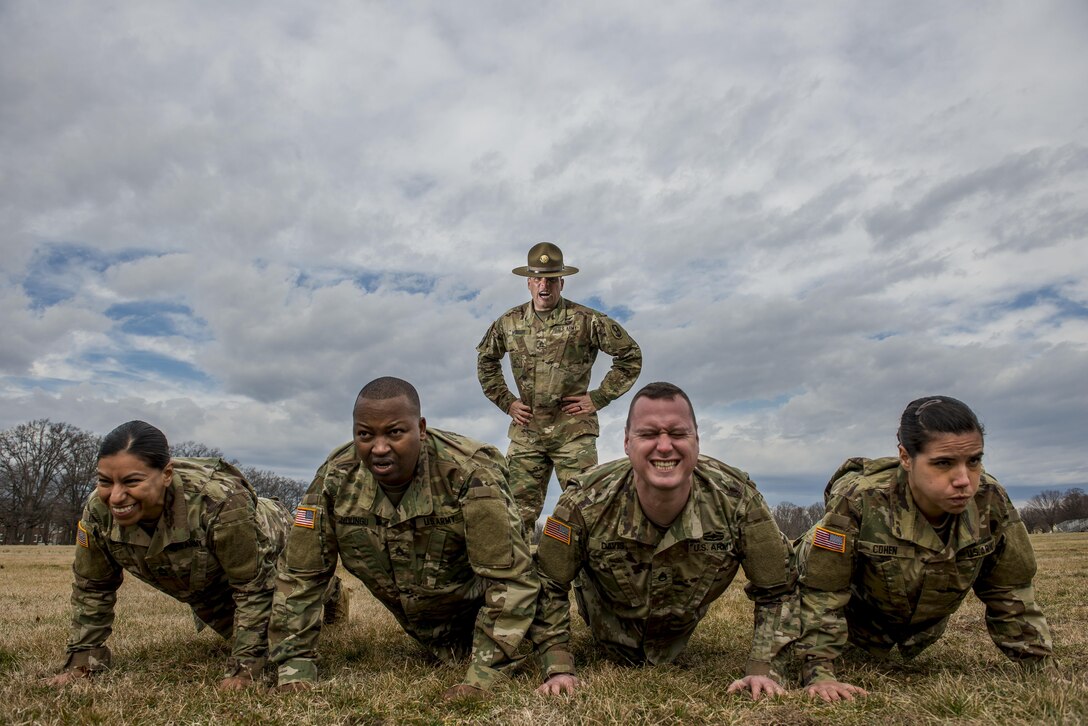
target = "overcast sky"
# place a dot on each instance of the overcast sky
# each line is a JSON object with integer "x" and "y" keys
{"x": 225, "y": 218}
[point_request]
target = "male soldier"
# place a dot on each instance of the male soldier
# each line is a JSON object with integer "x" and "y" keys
{"x": 552, "y": 344}
{"x": 424, "y": 518}
{"x": 657, "y": 537}
{"x": 903, "y": 540}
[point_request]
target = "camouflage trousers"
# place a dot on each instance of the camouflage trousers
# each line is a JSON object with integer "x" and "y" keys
{"x": 531, "y": 467}
{"x": 450, "y": 642}
{"x": 624, "y": 643}
{"x": 869, "y": 632}
{"x": 217, "y": 610}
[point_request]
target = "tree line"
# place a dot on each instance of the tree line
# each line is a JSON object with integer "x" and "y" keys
{"x": 47, "y": 471}
{"x": 1047, "y": 511}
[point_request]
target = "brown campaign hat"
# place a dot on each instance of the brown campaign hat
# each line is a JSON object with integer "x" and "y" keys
{"x": 545, "y": 260}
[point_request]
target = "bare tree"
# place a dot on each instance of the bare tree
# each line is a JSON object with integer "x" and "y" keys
{"x": 75, "y": 483}
{"x": 814, "y": 513}
{"x": 196, "y": 449}
{"x": 1046, "y": 507}
{"x": 33, "y": 458}
{"x": 1074, "y": 504}
{"x": 794, "y": 520}
{"x": 270, "y": 484}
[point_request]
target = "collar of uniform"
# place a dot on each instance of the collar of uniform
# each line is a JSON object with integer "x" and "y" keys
{"x": 966, "y": 530}
{"x": 556, "y": 315}
{"x": 417, "y": 500}
{"x": 912, "y": 525}
{"x": 688, "y": 526}
{"x": 162, "y": 536}
{"x": 635, "y": 525}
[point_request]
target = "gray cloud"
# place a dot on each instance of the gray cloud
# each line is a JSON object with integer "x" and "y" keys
{"x": 812, "y": 215}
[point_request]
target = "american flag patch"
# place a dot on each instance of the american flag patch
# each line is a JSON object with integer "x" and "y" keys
{"x": 557, "y": 530}
{"x": 81, "y": 536}
{"x": 829, "y": 540}
{"x": 305, "y": 517}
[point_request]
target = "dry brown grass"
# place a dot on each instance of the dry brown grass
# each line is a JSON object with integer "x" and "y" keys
{"x": 164, "y": 672}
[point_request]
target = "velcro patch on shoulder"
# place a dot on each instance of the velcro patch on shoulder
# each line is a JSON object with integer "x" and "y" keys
{"x": 557, "y": 530}
{"x": 306, "y": 517}
{"x": 829, "y": 539}
{"x": 489, "y": 531}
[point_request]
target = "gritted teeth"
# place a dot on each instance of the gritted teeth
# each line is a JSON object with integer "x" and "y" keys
{"x": 664, "y": 465}
{"x": 127, "y": 509}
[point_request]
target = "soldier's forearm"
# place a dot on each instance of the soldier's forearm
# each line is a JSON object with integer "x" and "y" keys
{"x": 295, "y": 624}
{"x": 296, "y": 670}
{"x": 556, "y": 660}
{"x": 815, "y": 670}
{"x": 92, "y": 619}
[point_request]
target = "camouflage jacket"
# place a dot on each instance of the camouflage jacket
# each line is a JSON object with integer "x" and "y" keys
{"x": 450, "y": 553}
{"x": 216, "y": 541}
{"x": 647, "y": 592}
{"x": 554, "y": 358}
{"x": 880, "y": 552}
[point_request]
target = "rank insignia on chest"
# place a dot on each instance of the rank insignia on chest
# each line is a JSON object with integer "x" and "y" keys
{"x": 829, "y": 540}
{"x": 81, "y": 536}
{"x": 305, "y": 517}
{"x": 557, "y": 530}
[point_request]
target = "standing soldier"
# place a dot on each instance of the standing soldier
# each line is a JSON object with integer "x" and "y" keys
{"x": 903, "y": 541}
{"x": 651, "y": 541}
{"x": 424, "y": 518}
{"x": 552, "y": 344}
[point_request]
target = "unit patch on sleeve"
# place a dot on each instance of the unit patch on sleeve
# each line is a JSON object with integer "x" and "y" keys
{"x": 305, "y": 517}
{"x": 829, "y": 540}
{"x": 557, "y": 530}
{"x": 81, "y": 536}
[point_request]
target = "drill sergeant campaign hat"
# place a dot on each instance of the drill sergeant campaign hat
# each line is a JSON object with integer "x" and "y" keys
{"x": 545, "y": 260}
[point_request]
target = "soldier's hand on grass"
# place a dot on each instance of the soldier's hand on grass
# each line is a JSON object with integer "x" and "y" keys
{"x": 832, "y": 691}
{"x": 464, "y": 692}
{"x": 559, "y": 684}
{"x": 521, "y": 413}
{"x": 757, "y": 686}
{"x": 294, "y": 686}
{"x": 67, "y": 677}
{"x": 578, "y": 405}
{"x": 236, "y": 683}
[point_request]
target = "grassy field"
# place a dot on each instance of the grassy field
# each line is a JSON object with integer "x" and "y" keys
{"x": 164, "y": 672}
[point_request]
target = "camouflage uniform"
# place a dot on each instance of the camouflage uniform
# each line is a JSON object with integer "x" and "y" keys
{"x": 551, "y": 356}
{"x": 881, "y": 575}
{"x": 214, "y": 548}
{"x": 449, "y": 562}
{"x": 643, "y": 592}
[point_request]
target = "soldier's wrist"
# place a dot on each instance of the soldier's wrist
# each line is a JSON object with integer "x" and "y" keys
{"x": 817, "y": 671}
{"x": 598, "y": 399}
{"x": 556, "y": 661}
{"x": 759, "y": 668}
{"x": 245, "y": 666}
{"x": 90, "y": 660}
{"x": 296, "y": 670}
{"x": 482, "y": 677}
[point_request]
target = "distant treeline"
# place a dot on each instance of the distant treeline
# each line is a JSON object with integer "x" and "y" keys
{"x": 1044, "y": 512}
{"x": 47, "y": 471}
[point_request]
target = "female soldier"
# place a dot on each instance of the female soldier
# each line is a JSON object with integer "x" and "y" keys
{"x": 192, "y": 528}
{"x": 903, "y": 540}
